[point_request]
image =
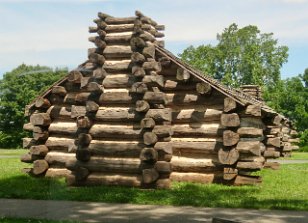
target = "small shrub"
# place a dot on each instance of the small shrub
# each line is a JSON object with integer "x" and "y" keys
{"x": 304, "y": 141}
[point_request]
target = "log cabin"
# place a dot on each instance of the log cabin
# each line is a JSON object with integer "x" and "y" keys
{"x": 135, "y": 115}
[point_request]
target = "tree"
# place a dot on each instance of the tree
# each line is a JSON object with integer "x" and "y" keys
{"x": 242, "y": 56}
{"x": 17, "y": 89}
{"x": 289, "y": 97}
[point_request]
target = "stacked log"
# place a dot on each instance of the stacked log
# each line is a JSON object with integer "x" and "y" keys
{"x": 38, "y": 125}
{"x": 197, "y": 132}
{"x": 274, "y": 135}
{"x": 129, "y": 122}
{"x": 242, "y": 142}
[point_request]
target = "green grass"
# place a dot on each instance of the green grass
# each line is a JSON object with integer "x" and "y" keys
{"x": 24, "y": 220}
{"x": 282, "y": 189}
{"x": 12, "y": 152}
{"x": 297, "y": 156}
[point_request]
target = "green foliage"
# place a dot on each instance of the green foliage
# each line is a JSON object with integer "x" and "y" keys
{"x": 17, "y": 89}
{"x": 242, "y": 56}
{"x": 23, "y": 220}
{"x": 304, "y": 141}
{"x": 290, "y": 98}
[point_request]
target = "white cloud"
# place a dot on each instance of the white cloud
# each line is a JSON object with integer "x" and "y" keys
{"x": 63, "y": 1}
{"x": 295, "y": 1}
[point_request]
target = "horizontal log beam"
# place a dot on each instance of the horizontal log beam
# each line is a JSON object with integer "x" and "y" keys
{"x": 183, "y": 164}
{"x": 197, "y": 129}
{"x": 108, "y": 164}
{"x": 63, "y": 128}
{"x": 59, "y": 159}
{"x": 95, "y": 179}
{"x": 204, "y": 178}
{"x": 130, "y": 149}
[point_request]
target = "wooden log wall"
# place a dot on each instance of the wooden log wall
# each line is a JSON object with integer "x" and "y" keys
{"x": 128, "y": 123}
{"x": 44, "y": 142}
{"x": 214, "y": 138}
{"x": 278, "y": 137}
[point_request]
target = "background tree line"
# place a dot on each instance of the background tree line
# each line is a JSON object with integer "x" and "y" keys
{"x": 17, "y": 89}
{"x": 247, "y": 56}
{"x": 241, "y": 56}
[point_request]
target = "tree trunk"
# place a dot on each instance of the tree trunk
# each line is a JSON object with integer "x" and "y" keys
{"x": 63, "y": 128}
{"x": 163, "y": 167}
{"x": 115, "y": 131}
{"x": 245, "y": 180}
{"x": 130, "y": 149}
{"x": 183, "y": 164}
{"x": 182, "y": 75}
{"x": 154, "y": 79}
{"x": 197, "y": 129}
{"x": 42, "y": 103}
{"x": 55, "y": 172}
{"x": 137, "y": 57}
{"x": 106, "y": 164}
{"x": 252, "y": 147}
{"x": 155, "y": 97}
{"x": 77, "y": 111}
{"x": 139, "y": 87}
{"x": 149, "y": 175}
{"x": 58, "y": 159}
{"x": 195, "y": 115}
{"x": 203, "y": 178}
{"x": 59, "y": 143}
{"x": 250, "y": 165}
{"x": 159, "y": 115}
{"x": 228, "y": 156}
{"x": 230, "y": 138}
{"x": 74, "y": 76}
{"x": 95, "y": 179}
{"x": 150, "y": 138}
{"x": 149, "y": 51}
{"x": 91, "y": 106}
{"x": 254, "y": 110}
{"x": 116, "y": 67}
{"x": 142, "y": 106}
{"x": 183, "y": 148}
{"x": 274, "y": 142}
{"x": 40, "y": 119}
{"x": 39, "y": 167}
{"x": 149, "y": 155}
{"x": 84, "y": 139}
{"x": 138, "y": 71}
{"x": 147, "y": 123}
{"x": 230, "y": 173}
{"x": 203, "y": 88}
{"x": 28, "y": 142}
{"x": 84, "y": 122}
{"x": 117, "y": 51}
{"x": 59, "y": 90}
{"x": 40, "y": 150}
{"x": 229, "y": 104}
{"x": 230, "y": 120}
{"x": 250, "y": 132}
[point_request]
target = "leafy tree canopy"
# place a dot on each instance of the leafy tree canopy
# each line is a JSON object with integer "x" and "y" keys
{"x": 242, "y": 56}
{"x": 17, "y": 89}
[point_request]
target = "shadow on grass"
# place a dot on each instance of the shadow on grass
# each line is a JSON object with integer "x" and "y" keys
{"x": 25, "y": 187}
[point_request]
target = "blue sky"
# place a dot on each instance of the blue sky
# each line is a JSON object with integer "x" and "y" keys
{"x": 55, "y": 32}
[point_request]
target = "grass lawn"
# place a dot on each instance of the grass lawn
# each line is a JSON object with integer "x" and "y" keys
{"x": 12, "y": 152}
{"x": 23, "y": 220}
{"x": 297, "y": 156}
{"x": 282, "y": 189}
